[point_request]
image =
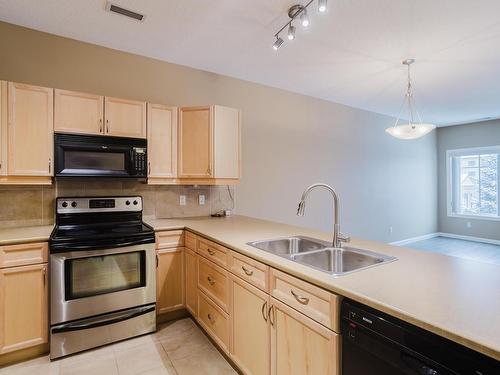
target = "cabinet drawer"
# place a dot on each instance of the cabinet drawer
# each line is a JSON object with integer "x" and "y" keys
{"x": 169, "y": 239}
{"x": 23, "y": 254}
{"x": 250, "y": 270}
{"x": 317, "y": 303}
{"x": 213, "y": 320}
{"x": 190, "y": 240}
{"x": 215, "y": 252}
{"x": 214, "y": 281}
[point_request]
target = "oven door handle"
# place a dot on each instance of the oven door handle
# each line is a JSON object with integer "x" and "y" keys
{"x": 93, "y": 323}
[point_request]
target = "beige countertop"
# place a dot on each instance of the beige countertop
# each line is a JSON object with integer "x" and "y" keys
{"x": 455, "y": 298}
{"x": 9, "y": 236}
{"x": 452, "y": 297}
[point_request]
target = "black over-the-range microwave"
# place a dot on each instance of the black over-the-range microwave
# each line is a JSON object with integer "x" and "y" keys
{"x": 99, "y": 156}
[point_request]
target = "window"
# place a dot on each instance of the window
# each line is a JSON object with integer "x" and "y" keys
{"x": 473, "y": 180}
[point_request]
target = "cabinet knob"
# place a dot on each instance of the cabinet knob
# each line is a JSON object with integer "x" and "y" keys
{"x": 247, "y": 271}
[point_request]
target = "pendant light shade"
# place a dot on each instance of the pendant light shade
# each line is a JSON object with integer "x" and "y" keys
{"x": 411, "y": 130}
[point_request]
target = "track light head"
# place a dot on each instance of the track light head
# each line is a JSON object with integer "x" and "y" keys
{"x": 291, "y": 32}
{"x": 322, "y": 6}
{"x": 277, "y": 44}
{"x": 304, "y": 18}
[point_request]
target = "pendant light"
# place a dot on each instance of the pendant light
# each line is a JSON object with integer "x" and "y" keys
{"x": 412, "y": 130}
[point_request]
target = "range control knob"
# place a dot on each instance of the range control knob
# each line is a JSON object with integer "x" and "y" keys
{"x": 73, "y": 204}
{"x": 135, "y": 203}
{"x": 127, "y": 203}
{"x": 64, "y": 204}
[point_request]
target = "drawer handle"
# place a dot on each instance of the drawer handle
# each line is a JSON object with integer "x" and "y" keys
{"x": 210, "y": 251}
{"x": 299, "y": 298}
{"x": 212, "y": 320}
{"x": 247, "y": 271}
{"x": 211, "y": 281}
{"x": 264, "y": 311}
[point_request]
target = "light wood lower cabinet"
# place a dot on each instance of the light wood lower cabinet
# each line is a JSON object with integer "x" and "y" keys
{"x": 23, "y": 307}
{"x": 191, "y": 281}
{"x": 300, "y": 345}
{"x": 251, "y": 345}
{"x": 169, "y": 280}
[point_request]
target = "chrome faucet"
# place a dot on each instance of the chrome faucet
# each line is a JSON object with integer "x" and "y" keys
{"x": 338, "y": 237}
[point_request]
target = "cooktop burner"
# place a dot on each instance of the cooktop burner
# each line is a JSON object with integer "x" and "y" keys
{"x": 99, "y": 222}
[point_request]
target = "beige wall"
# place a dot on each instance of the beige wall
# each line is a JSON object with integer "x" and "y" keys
{"x": 289, "y": 140}
{"x": 482, "y": 134}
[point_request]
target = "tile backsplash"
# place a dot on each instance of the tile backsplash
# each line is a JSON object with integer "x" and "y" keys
{"x": 34, "y": 205}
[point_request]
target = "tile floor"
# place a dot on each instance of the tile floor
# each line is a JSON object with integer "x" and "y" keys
{"x": 478, "y": 251}
{"x": 177, "y": 348}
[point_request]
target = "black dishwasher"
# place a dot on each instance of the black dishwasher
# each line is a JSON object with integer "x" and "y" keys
{"x": 375, "y": 343}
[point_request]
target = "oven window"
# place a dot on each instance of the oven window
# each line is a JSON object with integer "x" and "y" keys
{"x": 109, "y": 161}
{"x": 86, "y": 277}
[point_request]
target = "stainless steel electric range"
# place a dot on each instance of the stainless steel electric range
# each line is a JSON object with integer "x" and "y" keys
{"x": 102, "y": 273}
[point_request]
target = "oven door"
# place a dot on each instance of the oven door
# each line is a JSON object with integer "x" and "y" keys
{"x": 89, "y": 283}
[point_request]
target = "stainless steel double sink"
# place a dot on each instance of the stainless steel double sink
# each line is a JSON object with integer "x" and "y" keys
{"x": 321, "y": 255}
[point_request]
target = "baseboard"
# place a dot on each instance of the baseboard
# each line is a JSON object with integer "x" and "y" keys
{"x": 415, "y": 239}
{"x": 469, "y": 238}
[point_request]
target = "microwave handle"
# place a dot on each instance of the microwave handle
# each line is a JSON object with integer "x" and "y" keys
{"x": 78, "y": 326}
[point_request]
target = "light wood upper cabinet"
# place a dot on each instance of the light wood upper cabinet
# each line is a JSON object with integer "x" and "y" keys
{"x": 30, "y": 130}
{"x": 209, "y": 143}
{"x": 162, "y": 143}
{"x": 195, "y": 142}
{"x": 299, "y": 345}
{"x": 124, "y": 118}
{"x": 3, "y": 128}
{"x": 227, "y": 142}
{"x": 251, "y": 348}
{"x": 23, "y": 307}
{"x": 76, "y": 112}
{"x": 170, "y": 280}
{"x": 191, "y": 281}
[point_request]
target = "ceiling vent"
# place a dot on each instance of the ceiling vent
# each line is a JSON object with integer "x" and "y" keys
{"x": 124, "y": 12}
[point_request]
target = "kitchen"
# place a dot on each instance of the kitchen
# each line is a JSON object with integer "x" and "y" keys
{"x": 114, "y": 158}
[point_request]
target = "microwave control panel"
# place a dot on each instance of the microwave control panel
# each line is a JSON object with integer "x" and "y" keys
{"x": 140, "y": 160}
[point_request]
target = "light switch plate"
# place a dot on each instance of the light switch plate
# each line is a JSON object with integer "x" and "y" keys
{"x": 201, "y": 199}
{"x": 182, "y": 200}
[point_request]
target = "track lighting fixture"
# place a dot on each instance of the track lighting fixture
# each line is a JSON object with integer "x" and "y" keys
{"x": 300, "y": 12}
{"x": 291, "y": 32}
{"x": 304, "y": 19}
{"x": 277, "y": 44}
{"x": 322, "y": 5}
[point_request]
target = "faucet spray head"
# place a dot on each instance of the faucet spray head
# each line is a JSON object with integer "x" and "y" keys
{"x": 301, "y": 208}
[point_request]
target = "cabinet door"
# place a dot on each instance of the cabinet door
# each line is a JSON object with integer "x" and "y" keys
{"x": 195, "y": 142}
{"x": 76, "y": 112}
{"x": 299, "y": 345}
{"x": 3, "y": 128}
{"x": 162, "y": 141}
{"x": 124, "y": 118}
{"x": 251, "y": 332}
{"x": 23, "y": 307}
{"x": 226, "y": 142}
{"x": 191, "y": 281}
{"x": 30, "y": 130}
{"x": 170, "y": 280}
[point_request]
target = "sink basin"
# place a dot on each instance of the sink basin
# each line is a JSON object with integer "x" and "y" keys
{"x": 341, "y": 261}
{"x": 289, "y": 246}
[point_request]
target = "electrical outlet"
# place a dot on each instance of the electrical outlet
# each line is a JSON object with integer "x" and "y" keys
{"x": 390, "y": 229}
{"x": 201, "y": 199}
{"x": 469, "y": 224}
{"x": 182, "y": 200}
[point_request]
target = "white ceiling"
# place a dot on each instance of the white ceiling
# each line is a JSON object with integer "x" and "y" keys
{"x": 350, "y": 55}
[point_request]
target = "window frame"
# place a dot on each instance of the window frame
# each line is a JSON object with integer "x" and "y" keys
{"x": 450, "y": 154}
